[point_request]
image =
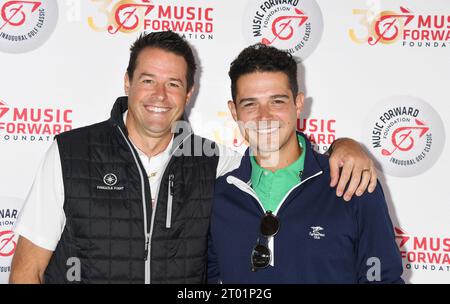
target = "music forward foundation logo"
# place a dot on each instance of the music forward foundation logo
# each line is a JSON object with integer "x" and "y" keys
{"x": 26, "y": 25}
{"x": 294, "y": 26}
{"x": 9, "y": 210}
{"x": 33, "y": 124}
{"x": 423, "y": 253}
{"x": 404, "y": 24}
{"x": 405, "y": 134}
{"x": 129, "y": 16}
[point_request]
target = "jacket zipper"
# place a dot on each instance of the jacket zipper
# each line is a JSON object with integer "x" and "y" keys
{"x": 144, "y": 205}
{"x": 241, "y": 185}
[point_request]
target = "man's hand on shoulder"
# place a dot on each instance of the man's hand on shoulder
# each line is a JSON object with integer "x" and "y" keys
{"x": 358, "y": 170}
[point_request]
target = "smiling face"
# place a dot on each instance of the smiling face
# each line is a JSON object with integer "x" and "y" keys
{"x": 157, "y": 93}
{"x": 267, "y": 111}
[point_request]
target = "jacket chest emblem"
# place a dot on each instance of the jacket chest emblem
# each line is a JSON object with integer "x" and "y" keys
{"x": 317, "y": 232}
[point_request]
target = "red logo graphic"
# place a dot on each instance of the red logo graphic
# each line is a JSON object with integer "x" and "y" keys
{"x": 7, "y": 244}
{"x": 238, "y": 141}
{"x": 402, "y": 236}
{"x": 3, "y": 108}
{"x": 424, "y": 252}
{"x": 33, "y": 121}
{"x": 282, "y": 24}
{"x": 415, "y": 29}
{"x": 321, "y": 132}
{"x": 12, "y": 12}
{"x": 386, "y": 26}
{"x": 127, "y": 18}
{"x": 402, "y": 138}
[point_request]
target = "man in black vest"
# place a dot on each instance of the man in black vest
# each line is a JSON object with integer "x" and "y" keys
{"x": 128, "y": 200}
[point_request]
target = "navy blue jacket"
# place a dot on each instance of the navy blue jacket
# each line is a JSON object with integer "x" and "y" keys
{"x": 340, "y": 251}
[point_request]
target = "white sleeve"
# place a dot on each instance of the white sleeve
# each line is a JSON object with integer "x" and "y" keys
{"x": 42, "y": 217}
{"x": 228, "y": 160}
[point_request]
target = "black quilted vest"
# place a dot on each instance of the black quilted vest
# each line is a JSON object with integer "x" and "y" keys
{"x": 104, "y": 209}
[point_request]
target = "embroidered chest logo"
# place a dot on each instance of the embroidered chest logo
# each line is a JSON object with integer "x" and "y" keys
{"x": 110, "y": 180}
{"x": 316, "y": 232}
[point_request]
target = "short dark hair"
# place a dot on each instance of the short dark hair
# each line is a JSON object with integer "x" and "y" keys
{"x": 168, "y": 41}
{"x": 262, "y": 58}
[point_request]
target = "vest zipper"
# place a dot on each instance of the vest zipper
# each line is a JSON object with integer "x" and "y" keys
{"x": 152, "y": 222}
{"x": 169, "y": 201}
{"x": 147, "y": 252}
{"x": 144, "y": 205}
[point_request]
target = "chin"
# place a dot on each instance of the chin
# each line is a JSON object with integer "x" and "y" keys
{"x": 265, "y": 148}
{"x": 268, "y": 149}
{"x": 158, "y": 130}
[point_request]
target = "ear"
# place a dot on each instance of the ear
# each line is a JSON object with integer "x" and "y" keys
{"x": 232, "y": 107}
{"x": 189, "y": 95}
{"x": 126, "y": 82}
{"x": 299, "y": 102}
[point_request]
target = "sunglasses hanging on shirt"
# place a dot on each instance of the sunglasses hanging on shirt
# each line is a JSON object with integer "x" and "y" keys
{"x": 261, "y": 254}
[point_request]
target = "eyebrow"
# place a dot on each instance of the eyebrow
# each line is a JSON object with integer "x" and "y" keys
{"x": 146, "y": 74}
{"x": 247, "y": 99}
{"x": 177, "y": 80}
{"x": 278, "y": 96}
{"x": 282, "y": 96}
{"x": 153, "y": 75}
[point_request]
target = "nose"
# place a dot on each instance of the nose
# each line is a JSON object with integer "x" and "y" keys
{"x": 264, "y": 112}
{"x": 159, "y": 92}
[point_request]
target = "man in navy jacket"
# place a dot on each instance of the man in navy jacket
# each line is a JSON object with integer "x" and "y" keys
{"x": 275, "y": 219}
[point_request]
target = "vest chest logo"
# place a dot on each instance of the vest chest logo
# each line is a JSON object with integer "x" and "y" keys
{"x": 316, "y": 232}
{"x": 110, "y": 180}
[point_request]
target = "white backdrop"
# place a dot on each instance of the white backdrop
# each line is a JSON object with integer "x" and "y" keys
{"x": 368, "y": 68}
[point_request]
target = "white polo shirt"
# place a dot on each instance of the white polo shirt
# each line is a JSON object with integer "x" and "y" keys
{"x": 42, "y": 219}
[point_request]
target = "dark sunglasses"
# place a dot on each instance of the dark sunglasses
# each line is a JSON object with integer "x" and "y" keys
{"x": 261, "y": 255}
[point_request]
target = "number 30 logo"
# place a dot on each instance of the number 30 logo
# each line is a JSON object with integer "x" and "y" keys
{"x": 126, "y": 16}
{"x": 385, "y": 28}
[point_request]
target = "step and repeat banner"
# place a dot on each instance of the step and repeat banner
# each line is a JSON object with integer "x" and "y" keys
{"x": 375, "y": 71}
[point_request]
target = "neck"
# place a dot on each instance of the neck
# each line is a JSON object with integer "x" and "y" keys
{"x": 150, "y": 145}
{"x": 285, "y": 156}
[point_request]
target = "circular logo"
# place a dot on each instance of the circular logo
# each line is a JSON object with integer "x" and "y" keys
{"x": 26, "y": 25}
{"x": 294, "y": 26}
{"x": 110, "y": 179}
{"x": 7, "y": 243}
{"x": 405, "y": 134}
{"x": 9, "y": 212}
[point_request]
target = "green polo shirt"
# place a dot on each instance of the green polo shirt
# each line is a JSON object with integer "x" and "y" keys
{"x": 271, "y": 187}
